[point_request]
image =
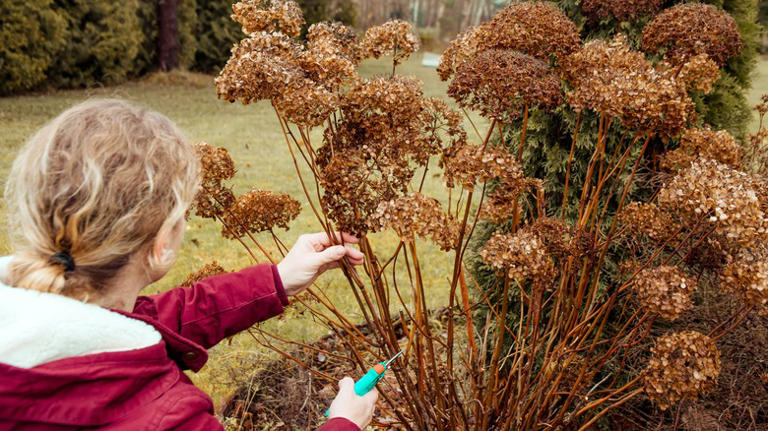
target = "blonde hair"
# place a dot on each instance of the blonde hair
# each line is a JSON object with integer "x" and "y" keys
{"x": 99, "y": 183}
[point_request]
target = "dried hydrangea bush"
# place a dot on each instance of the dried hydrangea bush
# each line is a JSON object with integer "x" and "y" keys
{"x": 378, "y": 138}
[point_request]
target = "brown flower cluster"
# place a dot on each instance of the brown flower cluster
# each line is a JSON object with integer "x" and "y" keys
{"x": 746, "y": 275}
{"x": 353, "y": 190}
{"x": 301, "y": 82}
{"x": 665, "y": 290}
{"x": 387, "y": 131}
{"x": 209, "y": 270}
{"x": 214, "y": 196}
{"x": 468, "y": 165}
{"x": 272, "y": 66}
{"x": 682, "y": 365}
{"x": 610, "y": 78}
{"x": 522, "y": 256}
{"x": 500, "y": 84}
{"x": 712, "y": 195}
{"x": 646, "y": 219}
{"x": 466, "y": 45}
{"x": 700, "y": 73}
{"x": 560, "y": 239}
{"x": 418, "y": 215}
{"x": 705, "y": 143}
{"x": 259, "y": 211}
{"x": 689, "y": 29}
{"x": 332, "y": 55}
{"x": 535, "y": 28}
{"x": 498, "y": 206}
{"x": 256, "y": 16}
{"x": 620, "y": 10}
{"x": 395, "y": 38}
{"x": 441, "y": 129}
{"x": 334, "y": 38}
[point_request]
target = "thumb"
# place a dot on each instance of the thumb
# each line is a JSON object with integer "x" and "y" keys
{"x": 346, "y": 384}
{"x": 331, "y": 254}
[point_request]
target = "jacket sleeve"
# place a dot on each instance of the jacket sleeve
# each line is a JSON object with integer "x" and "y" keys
{"x": 339, "y": 424}
{"x": 219, "y": 306}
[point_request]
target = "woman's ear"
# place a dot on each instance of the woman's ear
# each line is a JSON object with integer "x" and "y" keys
{"x": 163, "y": 250}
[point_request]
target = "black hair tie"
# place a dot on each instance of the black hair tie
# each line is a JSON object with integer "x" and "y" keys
{"x": 64, "y": 259}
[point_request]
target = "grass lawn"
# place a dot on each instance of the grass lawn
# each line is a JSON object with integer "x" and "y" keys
{"x": 253, "y": 136}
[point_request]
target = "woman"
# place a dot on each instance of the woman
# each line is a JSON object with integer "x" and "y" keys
{"x": 96, "y": 202}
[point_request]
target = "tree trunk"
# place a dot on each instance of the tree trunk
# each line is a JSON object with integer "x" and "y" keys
{"x": 167, "y": 34}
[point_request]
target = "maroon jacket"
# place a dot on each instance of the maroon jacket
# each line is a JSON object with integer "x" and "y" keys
{"x": 145, "y": 389}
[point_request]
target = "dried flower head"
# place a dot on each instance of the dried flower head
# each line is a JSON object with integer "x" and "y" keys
{"x": 682, "y": 365}
{"x": 391, "y": 122}
{"x": 464, "y": 47}
{"x": 354, "y": 186}
{"x": 332, "y": 55}
{"x": 538, "y": 29}
{"x": 714, "y": 196}
{"x": 273, "y": 66}
{"x": 441, "y": 128}
{"x": 498, "y": 206}
{"x": 209, "y": 270}
{"x": 261, "y": 67}
{"x": 258, "y": 211}
{"x": 522, "y": 256}
{"x": 612, "y": 79}
{"x": 388, "y": 129}
{"x": 468, "y": 165}
{"x": 647, "y": 220}
{"x": 665, "y": 290}
{"x": 334, "y": 38}
{"x": 700, "y": 73}
{"x": 214, "y": 196}
{"x": 395, "y": 38}
{"x": 256, "y": 16}
{"x": 561, "y": 239}
{"x": 306, "y": 103}
{"x": 620, "y": 10}
{"x": 689, "y": 29}
{"x": 418, "y": 215}
{"x": 500, "y": 84}
{"x": 705, "y": 143}
{"x": 746, "y": 275}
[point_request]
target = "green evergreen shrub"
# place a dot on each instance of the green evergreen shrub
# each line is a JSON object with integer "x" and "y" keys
{"x": 215, "y": 33}
{"x": 103, "y": 39}
{"x": 31, "y": 35}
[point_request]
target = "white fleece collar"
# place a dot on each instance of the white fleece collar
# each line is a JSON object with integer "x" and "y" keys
{"x": 37, "y": 328}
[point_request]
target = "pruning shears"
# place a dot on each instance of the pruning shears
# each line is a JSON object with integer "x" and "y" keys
{"x": 372, "y": 377}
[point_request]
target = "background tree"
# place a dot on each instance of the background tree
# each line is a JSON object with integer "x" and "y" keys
{"x": 167, "y": 34}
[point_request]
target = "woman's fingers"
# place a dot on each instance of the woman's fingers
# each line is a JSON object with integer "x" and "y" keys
{"x": 322, "y": 238}
{"x": 353, "y": 253}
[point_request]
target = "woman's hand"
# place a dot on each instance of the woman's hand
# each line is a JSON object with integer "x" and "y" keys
{"x": 312, "y": 255}
{"x": 350, "y": 406}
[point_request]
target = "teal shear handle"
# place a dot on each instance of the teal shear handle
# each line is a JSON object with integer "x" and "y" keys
{"x": 371, "y": 378}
